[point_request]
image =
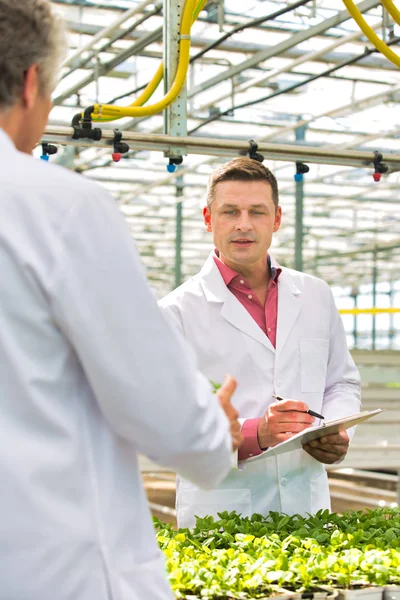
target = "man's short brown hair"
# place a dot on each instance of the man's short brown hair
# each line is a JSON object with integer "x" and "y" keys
{"x": 242, "y": 169}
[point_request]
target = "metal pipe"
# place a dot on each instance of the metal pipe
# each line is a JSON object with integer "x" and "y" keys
{"x": 292, "y": 40}
{"x": 362, "y": 250}
{"x": 135, "y": 49}
{"x": 291, "y": 87}
{"x": 178, "y": 237}
{"x": 221, "y": 147}
{"x": 69, "y": 62}
{"x": 309, "y": 56}
{"x": 299, "y": 231}
{"x": 252, "y": 23}
{"x": 374, "y": 283}
{"x": 81, "y": 64}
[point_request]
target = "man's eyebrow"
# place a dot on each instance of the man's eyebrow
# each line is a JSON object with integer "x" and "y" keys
{"x": 228, "y": 205}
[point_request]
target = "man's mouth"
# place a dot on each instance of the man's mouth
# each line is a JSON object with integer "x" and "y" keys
{"x": 243, "y": 242}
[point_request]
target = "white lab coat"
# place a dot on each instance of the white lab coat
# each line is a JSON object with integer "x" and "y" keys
{"x": 311, "y": 363}
{"x": 90, "y": 373}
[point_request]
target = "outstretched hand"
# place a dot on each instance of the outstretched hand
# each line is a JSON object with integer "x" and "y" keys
{"x": 224, "y": 395}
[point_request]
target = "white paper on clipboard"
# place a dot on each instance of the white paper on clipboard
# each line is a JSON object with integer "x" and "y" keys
{"x": 313, "y": 433}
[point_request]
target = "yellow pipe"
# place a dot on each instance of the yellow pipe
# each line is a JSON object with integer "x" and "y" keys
{"x": 392, "y": 10}
{"x": 155, "y": 82}
{"x": 107, "y": 110}
{"x": 368, "y": 311}
{"x": 370, "y": 33}
{"x": 198, "y": 9}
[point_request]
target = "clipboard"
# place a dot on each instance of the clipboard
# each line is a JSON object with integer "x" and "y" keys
{"x": 297, "y": 441}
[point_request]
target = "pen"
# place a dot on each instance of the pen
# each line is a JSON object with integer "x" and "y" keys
{"x": 309, "y": 411}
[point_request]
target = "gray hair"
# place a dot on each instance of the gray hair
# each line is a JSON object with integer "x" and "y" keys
{"x": 30, "y": 33}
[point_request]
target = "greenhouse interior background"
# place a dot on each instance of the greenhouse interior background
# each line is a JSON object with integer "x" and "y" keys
{"x": 299, "y": 75}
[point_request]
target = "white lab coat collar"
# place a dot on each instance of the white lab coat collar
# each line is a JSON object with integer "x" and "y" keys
{"x": 215, "y": 290}
{"x": 6, "y": 143}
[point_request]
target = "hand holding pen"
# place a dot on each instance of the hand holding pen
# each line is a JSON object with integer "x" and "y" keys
{"x": 281, "y": 420}
{"x": 309, "y": 411}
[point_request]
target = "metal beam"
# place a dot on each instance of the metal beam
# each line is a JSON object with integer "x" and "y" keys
{"x": 361, "y": 250}
{"x": 308, "y": 56}
{"x": 222, "y": 147}
{"x": 299, "y": 232}
{"x": 178, "y": 231}
{"x": 103, "y": 69}
{"x": 370, "y": 62}
{"x": 175, "y": 116}
{"x": 291, "y": 41}
{"x": 107, "y": 31}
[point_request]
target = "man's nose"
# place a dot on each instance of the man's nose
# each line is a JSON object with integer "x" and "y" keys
{"x": 244, "y": 222}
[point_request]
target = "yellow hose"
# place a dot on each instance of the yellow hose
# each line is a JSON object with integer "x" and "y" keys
{"x": 101, "y": 112}
{"x": 392, "y": 10}
{"x": 198, "y": 9}
{"x": 370, "y": 33}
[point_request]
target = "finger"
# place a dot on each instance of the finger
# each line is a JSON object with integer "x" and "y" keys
{"x": 227, "y": 389}
{"x": 337, "y": 449}
{"x": 235, "y": 427}
{"x": 324, "y": 457}
{"x": 291, "y": 417}
{"x": 344, "y": 436}
{"x": 237, "y": 439}
{"x": 334, "y": 439}
{"x": 292, "y": 427}
{"x": 286, "y": 405}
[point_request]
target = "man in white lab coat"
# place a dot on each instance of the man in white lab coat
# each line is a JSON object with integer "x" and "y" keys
{"x": 279, "y": 333}
{"x": 90, "y": 371}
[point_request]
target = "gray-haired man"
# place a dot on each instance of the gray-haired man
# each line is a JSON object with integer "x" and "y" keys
{"x": 90, "y": 371}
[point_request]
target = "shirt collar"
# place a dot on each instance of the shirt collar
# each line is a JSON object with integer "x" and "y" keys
{"x": 6, "y": 142}
{"x": 275, "y": 268}
{"x": 228, "y": 274}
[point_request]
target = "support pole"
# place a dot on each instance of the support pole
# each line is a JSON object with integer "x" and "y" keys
{"x": 374, "y": 282}
{"x": 175, "y": 122}
{"x": 299, "y": 232}
{"x": 355, "y": 324}
{"x": 178, "y": 236}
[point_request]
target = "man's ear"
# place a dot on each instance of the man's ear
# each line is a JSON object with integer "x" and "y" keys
{"x": 278, "y": 218}
{"x": 31, "y": 87}
{"x": 207, "y": 218}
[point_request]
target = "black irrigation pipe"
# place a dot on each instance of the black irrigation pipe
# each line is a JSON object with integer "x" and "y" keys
{"x": 290, "y": 88}
{"x": 241, "y": 27}
{"x": 252, "y": 23}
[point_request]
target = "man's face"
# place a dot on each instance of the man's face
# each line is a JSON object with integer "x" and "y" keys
{"x": 242, "y": 220}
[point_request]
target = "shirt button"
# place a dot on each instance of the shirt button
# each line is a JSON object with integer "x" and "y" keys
{"x": 279, "y": 383}
{"x": 284, "y": 481}
{"x": 249, "y": 296}
{"x": 242, "y": 281}
{"x": 250, "y": 454}
{"x": 269, "y": 329}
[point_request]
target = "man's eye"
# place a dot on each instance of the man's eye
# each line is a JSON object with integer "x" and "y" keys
{"x": 257, "y": 212}
{"x": 229, "y": 212}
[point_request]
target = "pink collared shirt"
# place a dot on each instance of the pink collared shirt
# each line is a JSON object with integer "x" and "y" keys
{"x": 266, "y": 318}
